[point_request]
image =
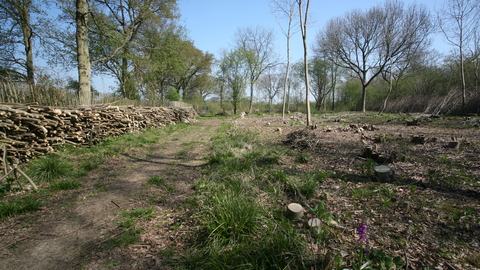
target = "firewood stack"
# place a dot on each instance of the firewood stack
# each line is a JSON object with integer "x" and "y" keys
{"x": 31, "y": 130}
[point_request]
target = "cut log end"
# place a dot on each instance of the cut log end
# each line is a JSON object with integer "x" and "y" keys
{"x": 294, "y": 210}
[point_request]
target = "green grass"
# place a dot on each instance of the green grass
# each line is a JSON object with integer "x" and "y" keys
{"x": 143, "y": 213}
{"x": 127, "y": 237}
{"x": 157, "y": 180}
{"x": 303, "y": 158}
{"x": 362, "y": 192}
{"x": 238, "y": 229}
{"x": 18, "y": 206}
{"x": 65, "y": 184}
{"x": 50, "y": 168}
{"x": 130, "y": 234}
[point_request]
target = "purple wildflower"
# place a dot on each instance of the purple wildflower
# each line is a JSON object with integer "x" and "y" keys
{"x": 362, "y": 232}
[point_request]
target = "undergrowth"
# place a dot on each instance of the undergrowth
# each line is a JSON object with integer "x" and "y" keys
{"x": 241, "y": 207}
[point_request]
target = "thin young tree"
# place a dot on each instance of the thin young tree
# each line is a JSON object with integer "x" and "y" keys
{"x": 286, "y": 9}
{"x": 125, "y": 20}
{"x": 458, "y": 22}
{"x": 270, "y": 84}
{"x": 303, "y": 11}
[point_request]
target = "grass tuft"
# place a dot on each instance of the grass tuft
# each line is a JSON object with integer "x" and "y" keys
{"x": 65, "y": 184}
{"x": 18, "y": 206}
{"x": 157, "y": 180}
{"x": 50, "y": 168}
{"x": 230, "y": 216}
{"x": 130, "y": 233}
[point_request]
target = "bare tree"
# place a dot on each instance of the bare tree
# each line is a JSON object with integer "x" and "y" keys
{"x": 323, "y": 80}
{"x": 303, "y": 11}
{"x": 270, "y": 84}
{"x": 458, "y": 22}
{"x": 259, "y": 44}
{"x": 286, "y": 9}
{"x": 366, "y": 42}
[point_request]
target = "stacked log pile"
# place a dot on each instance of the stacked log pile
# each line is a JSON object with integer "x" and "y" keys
{"x": 31, "y": 130}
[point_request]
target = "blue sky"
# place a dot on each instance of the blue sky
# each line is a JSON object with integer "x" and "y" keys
{"x": 211, "y": 24}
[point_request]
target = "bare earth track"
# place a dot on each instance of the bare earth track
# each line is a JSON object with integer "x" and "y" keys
{"x": 69, "y": 233}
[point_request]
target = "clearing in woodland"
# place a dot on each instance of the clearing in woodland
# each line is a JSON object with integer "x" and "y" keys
{"x": 211, "y": 195}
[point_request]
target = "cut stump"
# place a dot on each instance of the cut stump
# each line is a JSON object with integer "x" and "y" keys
{"x": 294, "y": 210}
{"x": 383, "y": 173}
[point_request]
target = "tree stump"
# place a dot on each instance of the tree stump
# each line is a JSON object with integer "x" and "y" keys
{"x": 383, "y": 173}
{"x": 453, "y": 144}
{"x": 294, "y": 210}
{"x": 418, "y": 139}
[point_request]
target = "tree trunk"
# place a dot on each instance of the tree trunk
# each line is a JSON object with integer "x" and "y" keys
{"x": 251, "y": 96}
{"x": 390, "y": 84}
{"x": 27, "y": 39}
{"x": 303, "y": 25}
{"x": 287, "y": 72}
{"x": 364, "y": 97}
{"x": 364, "y": 88}
{"x": 83, "y": 56}
{"x": 462, "y": 74}
{"x": 333, "y": 99}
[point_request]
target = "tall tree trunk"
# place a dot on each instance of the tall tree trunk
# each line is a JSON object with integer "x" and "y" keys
{"x": 364, "y": 88}
{"x": 27, "y": 40}
{"x": 390, "y": 84}
{"x": 125, "y": 78}
{"x": 462, "y": 74}
{"x": 287, "y": 72}
{"x": 83, "y": 56}
{"x": 303, "y": 25}
{"x": 251, "y": 96}
{"x": 222, "y": 87}
{"x": 364, "y": 97}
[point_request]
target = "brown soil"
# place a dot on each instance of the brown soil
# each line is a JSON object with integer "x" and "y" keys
{"x": 72, "y": 230}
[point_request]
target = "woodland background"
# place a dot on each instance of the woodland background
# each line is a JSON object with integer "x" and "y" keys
{"x": 377, "y": 59}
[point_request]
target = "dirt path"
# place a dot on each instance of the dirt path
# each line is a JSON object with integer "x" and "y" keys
{"x": 73, "y": 231}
